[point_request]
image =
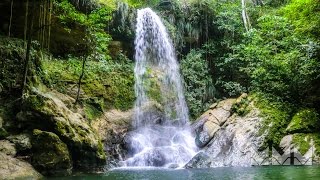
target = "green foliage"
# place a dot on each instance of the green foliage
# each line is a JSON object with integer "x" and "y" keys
{"x": 199, "y": 89}
{"x": 275, "y": 60}
{"x": 92, "y": 112}
{"x": 108, "y": 80}
{"x": 306, "y": 120}
{"x": 305, "y": 15}
{"x": 302, "y": 141}
{"x": 241, "y": 107}
{"x": 12, "y": 54}
{"x": 142, "y": 3}
{"x": 152, "y": 84}
{"x": 95, "y": 39}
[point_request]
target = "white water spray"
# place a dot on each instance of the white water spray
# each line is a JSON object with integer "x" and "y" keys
{"x": 162, "y": 136}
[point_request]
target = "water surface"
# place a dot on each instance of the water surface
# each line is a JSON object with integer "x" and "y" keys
{"x": 262, "y": 172}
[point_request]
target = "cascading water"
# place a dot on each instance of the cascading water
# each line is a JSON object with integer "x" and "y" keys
{"x": 162, "y": 135}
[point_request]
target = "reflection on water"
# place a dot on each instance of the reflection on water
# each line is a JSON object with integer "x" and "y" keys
{"x": 267, "y": 172}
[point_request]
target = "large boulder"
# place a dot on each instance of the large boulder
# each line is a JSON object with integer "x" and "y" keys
{"x": 229, "y": 139}
{"x": 46, "y": 111}
{"x": 302, "y": 144}
{"x": 12, "y": 168}
{"x": 211, "y": 121}
{"x": 50, "y": 154}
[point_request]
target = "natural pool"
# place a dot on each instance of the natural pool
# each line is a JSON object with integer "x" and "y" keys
{"x": 261, "y": 172}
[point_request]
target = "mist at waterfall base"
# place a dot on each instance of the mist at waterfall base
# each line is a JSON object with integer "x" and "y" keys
{"x": 161, "y": 135}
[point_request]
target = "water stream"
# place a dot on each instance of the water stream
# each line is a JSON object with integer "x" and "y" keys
{"x": 161, "y": 135}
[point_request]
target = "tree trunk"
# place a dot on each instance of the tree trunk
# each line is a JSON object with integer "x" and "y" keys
{"x": 26, "y": 24}
{"x": 80, "y": 78}
{"x": 27, "y": 57}
{"x": 10, "y": 23}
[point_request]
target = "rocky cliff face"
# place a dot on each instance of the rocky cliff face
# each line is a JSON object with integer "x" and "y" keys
{"x": 225, "y": 138}
{"x": 232, "y": 133}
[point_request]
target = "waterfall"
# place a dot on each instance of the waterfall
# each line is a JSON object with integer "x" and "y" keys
{"x": 161, "y": 135}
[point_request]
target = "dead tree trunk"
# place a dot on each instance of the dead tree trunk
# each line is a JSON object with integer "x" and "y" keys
{"x": 245, "y": 17}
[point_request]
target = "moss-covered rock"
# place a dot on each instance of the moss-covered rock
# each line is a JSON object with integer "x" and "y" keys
{"x": 303, "y": 142}
{"x": 50, "y": 154}
{"x": 276, "y": 117}
{"x": 83, "y": 143}
{"x": 241, "y": 107}
{"x": 306, "y": 120}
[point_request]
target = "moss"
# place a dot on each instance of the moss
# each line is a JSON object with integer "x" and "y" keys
{"x": 3, "y": 133}
{"x": 242, "y": 107}
{"x": 154, "y": 91}
{"x": 276, "y": 115}
{"x": 303, "y": 142}
{"x": 12, "y": 55}
{"x": 114, "y": 82}
{"x": 34, "y": 102}
{"x": 91, "y": 112}
{"x": 50, "y": 154}
{"x": 305, "y": 120}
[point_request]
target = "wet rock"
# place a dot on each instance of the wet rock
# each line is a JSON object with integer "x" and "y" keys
{"x": 12, "y": 168}
{"x": 156, "y": 158}
{"x": 173, "y": 166}
{"x": 198, "y": 161}
{"x": 112, "y": 127}
{"x": 50, "y": 154}
{"x": 202, "y": 139}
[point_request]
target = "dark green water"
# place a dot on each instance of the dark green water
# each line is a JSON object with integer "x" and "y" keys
{"x": 266, "y": 172}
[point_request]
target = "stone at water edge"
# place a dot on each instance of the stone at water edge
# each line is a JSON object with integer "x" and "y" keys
{"x": 50, "y": 154}
{"x": 12, "y": 168}
{"x": 234, "y": 143}
{"x": 198, "y": 161}
{"x": 45, "y": 110}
